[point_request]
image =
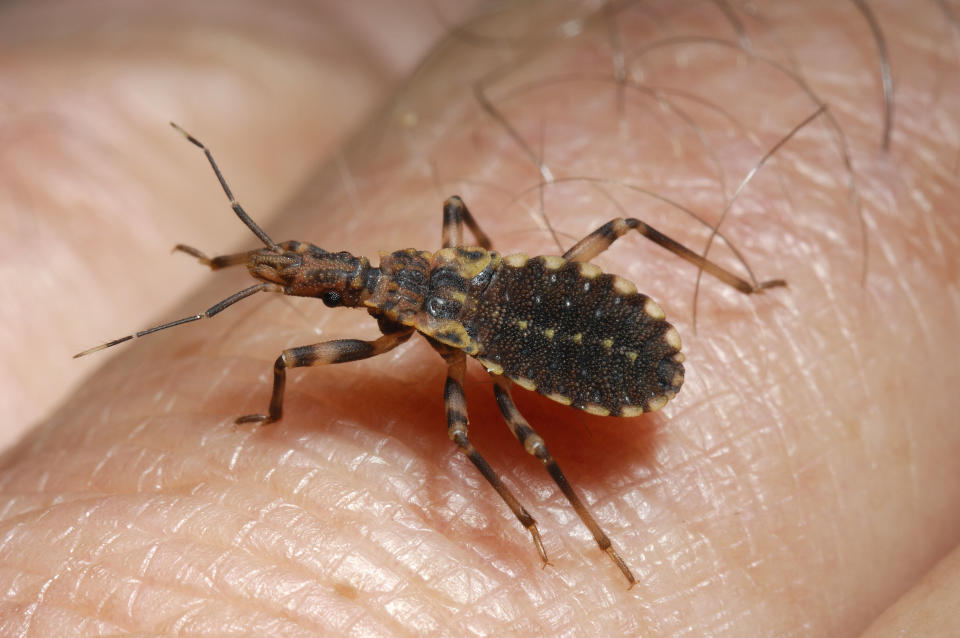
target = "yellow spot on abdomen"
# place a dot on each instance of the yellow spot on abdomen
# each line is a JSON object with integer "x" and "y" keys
{"x": 656, "y": 403}
{"x": 672, "y": 337}
{"x": 589, "y": 271}
{"x": 653, "y": 309}
{"x": 599, "y": 410}
{"x": 624, "y": 286}
{"x": 559, "y": 398}
{"x": 552, "y": 262}
{"x": 525, "y": 383}
{"x": 516, "y": 261}
{"x": 491, "y": 366}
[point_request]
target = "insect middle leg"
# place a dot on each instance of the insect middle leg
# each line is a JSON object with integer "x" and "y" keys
{"x": 534, "y": 445}
{"x": 337, "y": 351}
{"x": 455, "y": 215}
{"x": 455, "y": 402}
{"x": 601, "y": 239}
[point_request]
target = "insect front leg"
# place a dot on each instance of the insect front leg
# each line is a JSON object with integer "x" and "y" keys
{"x": 534, "y": 445}
{"x": 455, "y": 215}
{"x": 455, "y": 402}
{"x": 337, "y": 351}
{"x": 218, "y": 262}
{"x": 601, "y": 239}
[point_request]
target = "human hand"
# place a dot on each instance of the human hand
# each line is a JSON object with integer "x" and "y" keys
{"x": 802, "y": 480}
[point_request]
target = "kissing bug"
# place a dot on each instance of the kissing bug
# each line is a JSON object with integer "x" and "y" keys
{"x": 557, "y": 325}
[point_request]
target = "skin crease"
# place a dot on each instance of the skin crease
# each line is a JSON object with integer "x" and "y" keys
{"x": 803, "y": 480}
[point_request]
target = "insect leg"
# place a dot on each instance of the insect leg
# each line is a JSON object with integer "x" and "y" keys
{"x": 455, "y": 215}
{"x": 318, "y": 354}
{"x": 601, "y": 239}
{"x": 218, "y": 262}
{"x": 456, "y": 405}
{"x": 534, "y": 444}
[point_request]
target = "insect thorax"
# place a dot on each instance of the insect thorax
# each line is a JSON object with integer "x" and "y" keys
{"x": 435, "y": 292}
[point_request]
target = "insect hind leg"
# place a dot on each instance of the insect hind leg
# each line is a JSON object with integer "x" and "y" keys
{"x": 455, "y": 402}
{"x": 534, "y": 445}
{"x": 602, "y": 238}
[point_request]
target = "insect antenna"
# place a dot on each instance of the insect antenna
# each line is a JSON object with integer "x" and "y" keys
{"x": 237, "y": 208}
{"x": 209, "y": 312}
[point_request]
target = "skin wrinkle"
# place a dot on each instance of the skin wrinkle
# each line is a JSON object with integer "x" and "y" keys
{"x": 836, "y": 491}
{"x": 223, "y": 546}
{"x": 916, "y": 310}
{"x": 423, "y": 567}
{"x": 220, "y": 590}
{"x": 191, "y": 593}
{"x": 780, "y": 436}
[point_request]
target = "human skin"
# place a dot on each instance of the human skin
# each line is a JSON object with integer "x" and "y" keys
{"x": 803, "y": 480}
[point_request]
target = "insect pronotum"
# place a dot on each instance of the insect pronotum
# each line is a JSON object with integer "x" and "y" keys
{"x": 556, "y": 325}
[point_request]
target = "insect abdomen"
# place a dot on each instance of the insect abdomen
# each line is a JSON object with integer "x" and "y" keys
{"x": 577, "y": 335}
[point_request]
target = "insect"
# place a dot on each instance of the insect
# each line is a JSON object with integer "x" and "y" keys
{"x": 556, "y": 325}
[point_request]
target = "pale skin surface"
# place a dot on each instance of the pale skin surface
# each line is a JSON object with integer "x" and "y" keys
{"x": 802, "y": 481}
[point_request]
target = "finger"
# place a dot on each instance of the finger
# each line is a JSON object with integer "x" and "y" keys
{"x": 754, "y": 481}
{"x": 926, "y": 608}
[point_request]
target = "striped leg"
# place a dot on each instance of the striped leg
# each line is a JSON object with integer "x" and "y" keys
{"x": 455, "y": 215}
{"x": 601, "y": 239}
{"x": 534, "y": 444}
{"x": 456, "y": 405}
{"x": 338, "y": 351}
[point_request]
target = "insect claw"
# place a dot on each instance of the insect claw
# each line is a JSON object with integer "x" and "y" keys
{"x": 612, "y": 553}
{"x": 262, "y": 419}
{"x": 539, "y": 544}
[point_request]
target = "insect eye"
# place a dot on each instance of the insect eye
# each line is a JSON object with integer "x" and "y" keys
{"x": 332, "y": 299}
